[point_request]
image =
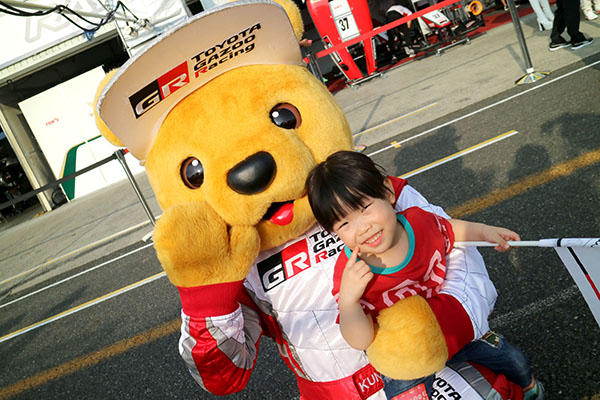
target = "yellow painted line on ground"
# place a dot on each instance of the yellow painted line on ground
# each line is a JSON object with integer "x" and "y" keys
{"x": 391, "y": 121}
{"x": 459, "y": 153}
{"x": 395, "y": 144}
{"x": 470, "y": 207}
{"x": 89, "y": 360}
{"x": 497, "y": 196}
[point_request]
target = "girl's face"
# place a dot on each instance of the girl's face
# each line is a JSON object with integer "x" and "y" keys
{"x": 373, "y": 227}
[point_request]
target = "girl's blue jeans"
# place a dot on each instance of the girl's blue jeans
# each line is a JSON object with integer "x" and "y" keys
{"x": 492, "y": 350}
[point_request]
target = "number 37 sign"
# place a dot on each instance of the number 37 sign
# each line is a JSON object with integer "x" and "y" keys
{"x": 344, "y": 20}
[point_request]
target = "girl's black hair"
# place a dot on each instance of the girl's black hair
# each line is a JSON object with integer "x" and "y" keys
{"x": 340, "y": 184}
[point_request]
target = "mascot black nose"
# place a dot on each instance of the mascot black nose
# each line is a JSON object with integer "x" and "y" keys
{"x": 253, "y": 175}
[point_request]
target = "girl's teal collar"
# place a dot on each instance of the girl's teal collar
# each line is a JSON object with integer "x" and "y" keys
{"x": 411, "y": 249}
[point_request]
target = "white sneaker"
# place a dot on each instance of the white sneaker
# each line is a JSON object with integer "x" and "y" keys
{"x": 589, "y": 14}
{"x": 544, "y": 25}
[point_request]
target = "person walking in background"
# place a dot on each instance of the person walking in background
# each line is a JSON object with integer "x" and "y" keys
{"x": 405, "y": 36}
{"x": 567, "y": 16}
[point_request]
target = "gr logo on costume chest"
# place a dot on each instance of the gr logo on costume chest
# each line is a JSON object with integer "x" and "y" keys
{"x": 281, "y": 266}
{"x": 150, "y": 95}
{"x": 298, "y": 257}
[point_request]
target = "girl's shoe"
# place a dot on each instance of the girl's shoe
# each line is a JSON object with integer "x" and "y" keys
{"x": 537, "y": 393}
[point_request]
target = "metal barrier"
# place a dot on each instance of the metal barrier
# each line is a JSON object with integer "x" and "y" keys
{"x": 531, "y": 76}
{"x": 313, "y": 66}
{"x": 118, "y": 155}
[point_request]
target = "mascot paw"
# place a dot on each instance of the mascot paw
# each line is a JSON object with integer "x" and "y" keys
{"x": 408, "y": 343}
{"x": 196, "y": 247}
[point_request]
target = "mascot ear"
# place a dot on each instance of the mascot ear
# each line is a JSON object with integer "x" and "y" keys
{"x": 99, "y": 123}
{"x": 293, "y": 13}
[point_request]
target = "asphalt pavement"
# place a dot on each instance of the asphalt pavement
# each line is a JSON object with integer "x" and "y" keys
{"x": 465, "y": 95}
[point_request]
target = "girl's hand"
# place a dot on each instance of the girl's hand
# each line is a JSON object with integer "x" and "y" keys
{"x": 357, "y": 274}
{"x": 495, "y": 234}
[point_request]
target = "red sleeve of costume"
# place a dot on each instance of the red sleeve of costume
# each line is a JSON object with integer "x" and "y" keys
{"x": 398, "y": 184}
{"x": 220, "y": 332}
{"x": 505, "y": 388}
{"x": 454, "y": 321}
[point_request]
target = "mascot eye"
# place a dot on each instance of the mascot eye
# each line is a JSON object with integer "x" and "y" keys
{"x": 286, "y": 116}
{"x": 192, "y": 173}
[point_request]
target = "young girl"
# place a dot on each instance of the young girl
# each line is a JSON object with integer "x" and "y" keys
{"x": 390, "y": 256}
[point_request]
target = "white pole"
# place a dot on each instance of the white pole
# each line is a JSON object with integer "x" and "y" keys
{"x": 512, "y": 243}
{"x": 563, "y": 242}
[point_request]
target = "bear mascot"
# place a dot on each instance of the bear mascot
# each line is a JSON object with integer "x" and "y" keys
{"x": 228, "y": 122}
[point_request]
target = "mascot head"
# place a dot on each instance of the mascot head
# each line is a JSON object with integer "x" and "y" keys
{"x": 223, "y": 110}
